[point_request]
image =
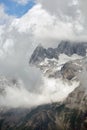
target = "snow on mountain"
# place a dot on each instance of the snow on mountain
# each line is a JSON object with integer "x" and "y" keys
{"x": 51, "y": 60}
{"x": 51, "y": 66}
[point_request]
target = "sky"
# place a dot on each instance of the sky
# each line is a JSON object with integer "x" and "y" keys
{"x": 17, "y": 8}
{"x": 26, "y": 23}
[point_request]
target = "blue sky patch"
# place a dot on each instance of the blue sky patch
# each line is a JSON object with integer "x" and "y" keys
{"x": 15, "y": 9}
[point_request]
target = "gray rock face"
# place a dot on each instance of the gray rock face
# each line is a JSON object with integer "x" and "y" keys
{"x": 75, "y": 69}
{"x": 70, "y": 48}
{"x": 77, "y": 99}
{"x": 66, "y": 47}
{"x": 41, "y": 53}
{"x": 71, "y": 69}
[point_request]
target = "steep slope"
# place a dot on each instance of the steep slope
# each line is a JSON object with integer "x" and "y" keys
{"x": 55, "y": 118}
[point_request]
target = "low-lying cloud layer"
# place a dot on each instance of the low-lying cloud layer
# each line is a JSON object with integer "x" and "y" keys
{"x": 51, "y": 90}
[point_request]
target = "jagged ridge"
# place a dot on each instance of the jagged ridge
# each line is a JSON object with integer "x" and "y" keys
{"x": 66, "y": 47}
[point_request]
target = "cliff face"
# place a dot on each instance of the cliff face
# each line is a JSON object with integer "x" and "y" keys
{"x": 70, "y": 48}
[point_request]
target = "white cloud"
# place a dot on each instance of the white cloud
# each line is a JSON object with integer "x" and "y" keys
{"x": 22, "y": 2}
{"x": 83, "y": 8}
{"x": 61, "y": 7}
{"x": 75, "y": 10}
{"x": 75, "y": 2}
{"x": 51, "y": 91}
{"x": 39, "y": 22}
{"x": 5, "y": 19}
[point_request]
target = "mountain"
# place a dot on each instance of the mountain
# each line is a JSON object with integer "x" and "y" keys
{"x": 68, "y": 63}
{"x": 41, "y": 53}
{"x": 56, "y": 117}
{"x": 70, "y": 48}
{"x": 51, "y": 60}
{"x": 64, "y": 47}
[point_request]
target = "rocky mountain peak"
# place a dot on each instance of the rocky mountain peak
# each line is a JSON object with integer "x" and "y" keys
{"x": 64, "y": 47}
{"x": 40, "y": 53}
{"x": 70, "y": 48}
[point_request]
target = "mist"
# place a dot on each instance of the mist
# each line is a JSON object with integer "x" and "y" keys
{"x": 50, "y": 91}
